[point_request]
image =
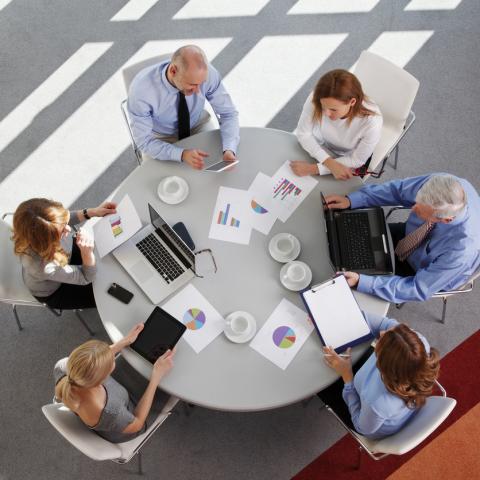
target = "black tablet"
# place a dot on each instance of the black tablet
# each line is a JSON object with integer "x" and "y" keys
{"x": 160, "y": 333}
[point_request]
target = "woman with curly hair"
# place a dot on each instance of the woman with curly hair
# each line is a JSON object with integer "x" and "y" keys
{"x": 385, "y": 388}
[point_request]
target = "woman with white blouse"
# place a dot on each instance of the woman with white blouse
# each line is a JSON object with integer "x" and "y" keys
{"x": 339, "y": 127}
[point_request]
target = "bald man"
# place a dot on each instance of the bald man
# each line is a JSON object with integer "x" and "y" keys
{"x": 166, "y": 103}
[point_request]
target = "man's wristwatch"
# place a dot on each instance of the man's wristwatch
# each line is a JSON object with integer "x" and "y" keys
{"x": 85, "y": 214}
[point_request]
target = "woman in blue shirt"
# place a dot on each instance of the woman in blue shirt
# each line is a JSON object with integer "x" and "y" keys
{"x": 389, "y": 385}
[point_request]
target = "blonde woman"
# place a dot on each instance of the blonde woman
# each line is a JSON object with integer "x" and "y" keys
{"x": 57, "y": 268}
{"x": 84, "y": 385}
{"x": 339, "y": 127}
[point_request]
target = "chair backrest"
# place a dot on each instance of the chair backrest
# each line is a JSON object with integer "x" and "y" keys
{"x": 12, "y": 288}
{"x": 425, "y": 421}
{"x": 78, "y": 434}
{"x": 391, "y": 87}
{"x": 130, "y": 72}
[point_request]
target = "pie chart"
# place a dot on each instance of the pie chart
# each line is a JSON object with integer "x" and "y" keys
{"x": 284, "y": 337}
{"x": 194, "y": 319}
{"x": 257, "y": 207}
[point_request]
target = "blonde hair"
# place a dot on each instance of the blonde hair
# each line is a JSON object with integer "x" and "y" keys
{"x": 35, "y": 229}
{"x": 88, "y": 366}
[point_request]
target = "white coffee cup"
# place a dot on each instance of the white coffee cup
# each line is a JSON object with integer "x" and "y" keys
{"x": 239, "y": 324}
{"x": 295, "y": 273}
{"x": 285, "y": 245}
{"x": 171, "y": 187}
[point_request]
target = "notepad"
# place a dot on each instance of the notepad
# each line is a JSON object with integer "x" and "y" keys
{"x": 336, "y": 315}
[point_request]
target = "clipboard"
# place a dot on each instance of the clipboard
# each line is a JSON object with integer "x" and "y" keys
{"x": 335, "y": 314}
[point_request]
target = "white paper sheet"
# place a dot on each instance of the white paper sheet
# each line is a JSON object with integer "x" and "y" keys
{"x": 111, "y": 231}
{"x": 203, "y": 322}
{"x": 289, "y": 190}
{"x": 232, "y": 216}
{"x": 283, "y": 334}
{"x": 265, "y": 211}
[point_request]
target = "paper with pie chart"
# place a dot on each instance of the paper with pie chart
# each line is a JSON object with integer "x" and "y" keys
{"x": 283, "y": 334}
{"x": 264, "y": 210}
{"x": 231, "y": 219}
{"x": 203, "y": 322}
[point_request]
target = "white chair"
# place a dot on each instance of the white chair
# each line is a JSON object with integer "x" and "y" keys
{"x": 393, "y": 90}
{"x": 12, "y": 289}
{"x": 128, "y": 75}
{"x": 92, "y": 445}
{"x": 425, "y": 422}
{"x": 443, "y": 294}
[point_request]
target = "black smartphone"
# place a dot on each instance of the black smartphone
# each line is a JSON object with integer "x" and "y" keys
{"x": 182, "y": 232}
{"x": 120, "y": 293}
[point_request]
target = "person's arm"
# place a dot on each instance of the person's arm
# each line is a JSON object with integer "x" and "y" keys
{"x": 366, "y": 146}
{"x": 128, "y": 339}
{"x": 394, "y": 192}
{"x": 426, "y": 281}
{"x": 222, "y": 105}
{"x": 160, "y": 368}
{"x": 140, "y": 116}
{"x": 377, "y": 323}
{"x": 304, "y": 133}
{"x": 73, "y": 274}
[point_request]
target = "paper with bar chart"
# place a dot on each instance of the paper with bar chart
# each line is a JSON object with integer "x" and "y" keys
{"x": 263, "y": 208}
{"x": 231, "y": 220}
{"x": 111, "y": 231}
{"x": 288, "y": 190}
{"x": 203, "y": 322}
{"x": 283, "y": 334}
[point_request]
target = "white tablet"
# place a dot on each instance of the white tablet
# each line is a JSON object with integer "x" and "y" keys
{"x": 220, "y": 166}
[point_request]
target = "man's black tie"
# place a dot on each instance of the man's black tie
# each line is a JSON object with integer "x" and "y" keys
{"x": 183, "y": 117}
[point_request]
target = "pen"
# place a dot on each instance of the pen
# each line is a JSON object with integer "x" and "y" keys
{"x": 344, "y": 355}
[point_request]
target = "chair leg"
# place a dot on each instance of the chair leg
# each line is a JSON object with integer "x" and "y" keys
{"x": 140, "y": 469}
{"x": 359, "y": 458}
{"x": 15, "y": 313}
{"x": 396, "y": 158}
{"x": 444, "y": 309}
{"x": 90, "y": 331}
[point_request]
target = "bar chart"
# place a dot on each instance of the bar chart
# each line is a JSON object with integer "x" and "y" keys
{"x": 285, "y": 188}
{"x": 222, "y": 218}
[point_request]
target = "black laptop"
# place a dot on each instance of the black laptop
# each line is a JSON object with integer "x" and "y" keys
{"x": 358, "y": 240}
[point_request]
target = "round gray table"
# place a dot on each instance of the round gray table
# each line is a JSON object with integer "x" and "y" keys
{"x": 225, "y": 375}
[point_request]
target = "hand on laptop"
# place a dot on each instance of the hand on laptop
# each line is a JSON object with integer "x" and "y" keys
{"x": 337, "y": 202}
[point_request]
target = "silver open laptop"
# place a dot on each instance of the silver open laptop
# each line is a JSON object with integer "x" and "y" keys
{"x": 157, "y": 258}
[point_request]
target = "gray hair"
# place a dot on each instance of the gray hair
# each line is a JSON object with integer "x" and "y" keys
{"x": 187, "y": 55}
{"x": 444, "y": 194}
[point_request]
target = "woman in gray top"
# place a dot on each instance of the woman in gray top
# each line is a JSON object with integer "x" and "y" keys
{"x": 57, "y": 268}
{"x": 84, "y": 385}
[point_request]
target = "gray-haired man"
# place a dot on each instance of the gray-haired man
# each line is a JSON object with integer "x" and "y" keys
{"x": 438, "y": 248}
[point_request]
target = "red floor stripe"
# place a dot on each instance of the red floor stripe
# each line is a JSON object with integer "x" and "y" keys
{"x": 459, "y": 376}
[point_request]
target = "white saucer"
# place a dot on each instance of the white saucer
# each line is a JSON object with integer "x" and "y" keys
{"x": 233, "y": 337}
{"x": 173, "y": 199}
{"x": 278, "y": 256}
{"x": 296, "y": 286}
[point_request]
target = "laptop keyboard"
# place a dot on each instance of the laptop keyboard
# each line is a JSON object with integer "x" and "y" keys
{"x": 358, "y": 253}
{"x": 160, "y": 258}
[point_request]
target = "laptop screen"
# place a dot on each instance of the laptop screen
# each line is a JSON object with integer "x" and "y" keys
{"x": 170, "y": 237}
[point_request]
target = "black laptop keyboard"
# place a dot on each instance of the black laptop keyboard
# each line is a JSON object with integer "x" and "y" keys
{"x": 358, "y": 253}
{"x": 160, "y": 258}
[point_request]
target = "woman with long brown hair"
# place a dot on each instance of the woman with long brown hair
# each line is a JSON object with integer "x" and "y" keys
{"x": 339, "y": 127}
{"x": 57, "y": 268}
{"x": 83, "y": 383}
{"x": 389, "y": 385}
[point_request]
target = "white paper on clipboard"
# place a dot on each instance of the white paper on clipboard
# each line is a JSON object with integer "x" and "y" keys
{"x": 336, "y": 314}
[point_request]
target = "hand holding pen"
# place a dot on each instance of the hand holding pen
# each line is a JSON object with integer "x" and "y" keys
{"x": 341, "y": 363}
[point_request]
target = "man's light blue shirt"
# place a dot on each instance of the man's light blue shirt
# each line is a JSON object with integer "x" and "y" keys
{"x": 376, "y": 412}
{"x": 153, "y": 110}
{"x": 445, "y": 261}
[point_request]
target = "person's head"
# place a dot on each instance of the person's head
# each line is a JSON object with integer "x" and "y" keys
{"x": 338, "y": 94}
{"x": 38, "y": 225}
{"x": 188, "y": 69}
{"x": 87, "y": 367}
{"x": 406, "y": 368}
{"x": 440, "y": 199}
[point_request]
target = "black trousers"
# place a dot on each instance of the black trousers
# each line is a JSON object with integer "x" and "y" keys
{"x": 332, "y": 395}
{"x": 403, "y": 269}
{"x": 69, "y": 296}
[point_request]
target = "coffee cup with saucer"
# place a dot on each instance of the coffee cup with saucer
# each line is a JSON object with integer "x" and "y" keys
{"x": 173, "y": 190}
{"x": 295, "y": 276}
{"x": 240, "y": 327}
{"x": 284, "y": 247}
